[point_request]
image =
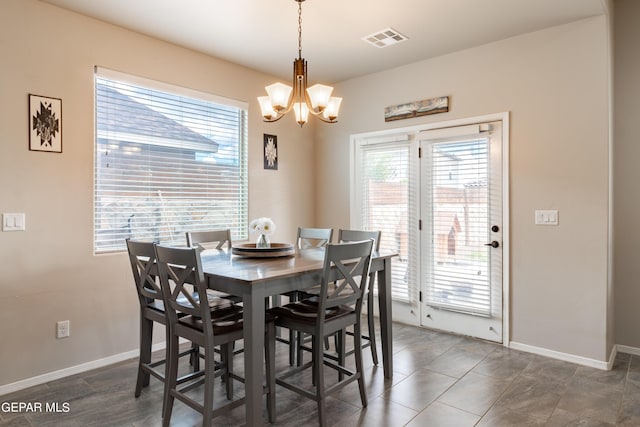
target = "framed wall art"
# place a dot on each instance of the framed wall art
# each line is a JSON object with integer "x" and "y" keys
{"x": 45, "y": 124}
{"x": 270, "y": 143}
{"x": 416, "y": 109}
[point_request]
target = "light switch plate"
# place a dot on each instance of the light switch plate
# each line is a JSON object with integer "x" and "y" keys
{"x": 13, "y": 222}
{"x": 546, "y": 217}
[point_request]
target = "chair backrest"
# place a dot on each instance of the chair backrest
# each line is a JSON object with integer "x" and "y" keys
{"x": 313, "y": 237}
{"x": 142, "y": 257}
{"x": 358, "y": 235}
{"x": 213, "y": 237}
{"x": 344, "y": 275}
{"x": 182, "y": 281}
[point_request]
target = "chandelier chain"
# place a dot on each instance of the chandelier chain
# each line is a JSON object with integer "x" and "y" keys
{"x": 299, "y": 29}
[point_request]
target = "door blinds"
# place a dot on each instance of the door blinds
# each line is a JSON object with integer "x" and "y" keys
{"x": 458, "y": 224}
{"x": 386, "y": 187}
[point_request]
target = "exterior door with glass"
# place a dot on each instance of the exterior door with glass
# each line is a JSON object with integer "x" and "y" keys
{"x": 461, "y": 247}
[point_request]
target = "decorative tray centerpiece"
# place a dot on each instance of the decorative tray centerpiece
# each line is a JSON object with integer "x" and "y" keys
{"x": 275, "y": 250}
{"x": 263, "y": 248}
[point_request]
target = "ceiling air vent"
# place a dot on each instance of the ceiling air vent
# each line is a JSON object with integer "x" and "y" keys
{"x": 384, "y": 38}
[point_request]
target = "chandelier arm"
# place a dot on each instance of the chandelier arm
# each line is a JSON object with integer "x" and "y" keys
{"x": 278, "y": 117}
{"x": 280, "y": 114}
{"x": 308, "y": 101}
{"x": 319, "y": 116}
{"x": 289, "y": 107}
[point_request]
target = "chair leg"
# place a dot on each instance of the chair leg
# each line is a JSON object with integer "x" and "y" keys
{"x": 341, "y": 349}
{"x": 210, "y": 370}
{"x": 318, "y": 373}
{"x": 292, "y": 347}
{"x": 194, "y": 358}
{"x": 171, "y": 380}
{"x": 146, "y": 338}
{"x": 372, "y": 328}
{"x": 293, "y": 342}
{"x": 270, "y": 363}
{"x": 299, "y": 342}
{"x": 357, "y": 339}
{"x": 315, "y": 344}
{"x": 167, "y": 356}
{"x": 227, "y": 350}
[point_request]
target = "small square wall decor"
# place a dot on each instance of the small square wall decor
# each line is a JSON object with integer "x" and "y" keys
{"x": 45, "y": 124}
{"x": 270, "y": 151}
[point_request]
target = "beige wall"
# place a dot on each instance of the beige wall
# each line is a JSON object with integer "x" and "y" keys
{"x": 49, "y": 272}
{"x": 627, "y": 173}
{"x": 554, "y": 84}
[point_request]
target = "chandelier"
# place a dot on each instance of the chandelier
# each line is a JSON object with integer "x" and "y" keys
{"x": 316, "y": 99}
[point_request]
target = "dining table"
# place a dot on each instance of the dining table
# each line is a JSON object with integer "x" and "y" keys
{"x": 256, "y": 278}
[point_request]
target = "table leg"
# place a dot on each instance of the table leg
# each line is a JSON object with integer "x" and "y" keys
{"x": 384, "y": 305}
{"x": 253, "y": 356}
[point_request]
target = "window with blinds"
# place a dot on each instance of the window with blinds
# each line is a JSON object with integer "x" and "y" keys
{"x": 386, "y": 199}
{"x": 457, "y": 192}
{"x": 167, "y": 160}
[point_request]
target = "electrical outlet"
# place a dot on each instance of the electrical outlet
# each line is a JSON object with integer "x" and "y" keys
{"x": 63, "y": 329}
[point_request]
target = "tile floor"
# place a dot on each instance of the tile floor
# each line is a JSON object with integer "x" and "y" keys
{"x": 439, "y": 380}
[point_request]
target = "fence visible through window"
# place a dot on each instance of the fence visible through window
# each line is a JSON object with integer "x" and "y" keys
{"x": 166, "y": 163}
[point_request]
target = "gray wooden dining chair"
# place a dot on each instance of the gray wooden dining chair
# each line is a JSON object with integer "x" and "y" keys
{"x": 370, "y": 339}
{"x": 217, "y": 239}
{"x": 339, "y": 304}
{"x": 213, "y": 239}
{"x": 193, "y": 316}
{"x": 313, "y": 237}
{"x": 306, "y": 238}
{"x": 142, "y": 258}
{"x": 357, "y": 235}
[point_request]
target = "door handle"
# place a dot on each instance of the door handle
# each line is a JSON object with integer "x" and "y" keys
{"x": 493, "y": 244}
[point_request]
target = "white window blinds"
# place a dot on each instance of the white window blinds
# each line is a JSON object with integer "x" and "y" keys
{"x": 458, "y": 203}
{"x": 166, "y": 162}
{"x": 386, "y": 202}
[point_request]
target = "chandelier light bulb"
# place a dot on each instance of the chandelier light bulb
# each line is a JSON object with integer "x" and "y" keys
{"x": 302, "y": 112}
{"x": 279, "y": 94}
{"x": 266, "y": 108}
{"x": 319, "y": 95}
{"x": 331, "y": 112}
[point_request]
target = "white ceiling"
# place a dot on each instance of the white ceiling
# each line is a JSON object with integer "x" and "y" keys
{"x": 263, "y": 34}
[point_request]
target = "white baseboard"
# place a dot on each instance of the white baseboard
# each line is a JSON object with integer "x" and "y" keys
{"x": 629, "y": 350}
{"x": 72, "y": 370}
{"x": 593, "y": 363}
